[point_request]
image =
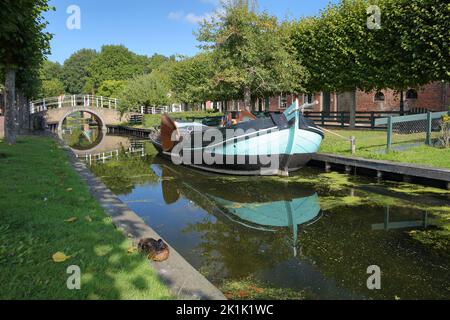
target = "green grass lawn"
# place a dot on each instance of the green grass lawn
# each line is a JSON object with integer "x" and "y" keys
{"x": 39, "y": 192}
{"x": 372, "y": 144}
{"x": 152, "y": 120}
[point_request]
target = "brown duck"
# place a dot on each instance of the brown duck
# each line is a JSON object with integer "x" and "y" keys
{"x": 156, "y": 250}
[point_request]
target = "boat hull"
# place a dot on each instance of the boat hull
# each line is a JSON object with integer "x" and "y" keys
{"x": 246, "y": 166}
{"x": 277, "y": 145}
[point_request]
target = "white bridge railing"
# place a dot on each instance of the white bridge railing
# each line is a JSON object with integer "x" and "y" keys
{"x": 85, "y": 100}
{"x": 109, "y": 155}
{"x": 92, "y": 101}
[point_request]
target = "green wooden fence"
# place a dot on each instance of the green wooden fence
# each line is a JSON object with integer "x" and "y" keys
{"x": 426, "y": 118}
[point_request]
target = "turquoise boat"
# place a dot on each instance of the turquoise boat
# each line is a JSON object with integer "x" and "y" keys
{"x": 275, "y": 145}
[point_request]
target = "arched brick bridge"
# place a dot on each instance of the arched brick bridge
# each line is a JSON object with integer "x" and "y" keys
{"x": 53, "y": 111}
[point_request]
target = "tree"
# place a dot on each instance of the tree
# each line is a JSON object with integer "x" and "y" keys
{"x": 253, "y": 54}
{"x": 116, "y": 63}
{"x": 51, "y": 88}
{"x": 191, "y": 79}
{"x": 343, "y": 54}
{"x": 111, "y": 88}
{"x": 155, "y": 61}
{"x": 23, "y": 47}
{"x": 145, "y": 90}
{"x": 50, "y": 71}
{"x": 75, "y": 70}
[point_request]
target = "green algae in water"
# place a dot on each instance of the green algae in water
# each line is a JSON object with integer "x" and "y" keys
{"x": 251, "y": 289}
{"x": 326, "y": 259}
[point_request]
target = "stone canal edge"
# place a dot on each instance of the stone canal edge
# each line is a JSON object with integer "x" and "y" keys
{"x": 183, "y": 280}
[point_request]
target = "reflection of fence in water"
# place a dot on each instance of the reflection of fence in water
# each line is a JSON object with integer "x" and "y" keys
{"x": 109, "y": 155}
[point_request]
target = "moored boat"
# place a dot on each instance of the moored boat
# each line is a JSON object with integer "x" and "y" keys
{"x": 274, "y": 145}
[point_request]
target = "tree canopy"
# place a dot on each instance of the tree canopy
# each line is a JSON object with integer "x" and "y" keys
{"x": 116, "y": 62}
{"x": 253, "y": 54}
{"x": 191, "y": 79}
{"x": 111, "y": 88}
{"x": 75, "y": 70}
{"x": 342, "y": 53}
{"x": 23, "y": 46}
{"x": 146, "y": 90}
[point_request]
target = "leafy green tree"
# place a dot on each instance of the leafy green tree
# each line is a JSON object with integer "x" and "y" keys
{"x": 23, "y": 46}
{"x": 190, "y": 79}
{"x": 155, "y": 61}
{"x": 51, "y": 88}
{"x": 343, "y": 54}
{"x": 145, "y": 90}
{"x": 50, "y": 70}
{"x": 111, "y": 88}
{"x": 253, "y": 54}
{"x": 75, "y": 70}
{"x": 116, "y": 63}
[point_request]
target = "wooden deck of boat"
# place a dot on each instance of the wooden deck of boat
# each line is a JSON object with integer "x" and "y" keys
{"x": 382, "y": 168}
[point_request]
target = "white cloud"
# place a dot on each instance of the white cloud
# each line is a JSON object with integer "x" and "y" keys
{"x": 178, "y": 15}
{"x": 191, "y": 17}
{"x": 214, "y": 2}
{"x": 194, "y": 19}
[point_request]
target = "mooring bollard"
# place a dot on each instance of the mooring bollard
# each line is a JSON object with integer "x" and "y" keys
{"x": 353, "y": 144}
{"x": 379, "y": 174}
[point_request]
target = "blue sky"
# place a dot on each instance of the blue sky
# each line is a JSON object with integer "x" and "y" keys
{"x": 147, "y": 26}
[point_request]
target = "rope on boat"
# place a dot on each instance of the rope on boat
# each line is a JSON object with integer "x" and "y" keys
{"x": 352, "y": 139}
{"x": 336, "y": 134}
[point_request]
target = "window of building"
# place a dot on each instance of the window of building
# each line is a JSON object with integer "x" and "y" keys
{"x": 411, "y": 94}
{"x": 308, "y": 98}
{"x": 283, "y": 101}
{"x": 379, "y": 96}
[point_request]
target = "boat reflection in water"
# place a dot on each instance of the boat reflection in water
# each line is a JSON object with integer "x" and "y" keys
{"x": 264, "y": 211}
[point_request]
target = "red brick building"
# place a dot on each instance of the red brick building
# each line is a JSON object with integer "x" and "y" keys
{"x": 434, "y": 96}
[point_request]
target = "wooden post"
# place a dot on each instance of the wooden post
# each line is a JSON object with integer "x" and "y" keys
{"x": 353, "y": 144}
{"x": 372, "y": 120}
{"x": 389, "y": 134}
{"x": 379, "y": 174}
{"x": 353, "y": 108}
{"x": 429, "y": 128}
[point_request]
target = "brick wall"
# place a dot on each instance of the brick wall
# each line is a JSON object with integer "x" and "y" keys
{"x": 434, "y": 96}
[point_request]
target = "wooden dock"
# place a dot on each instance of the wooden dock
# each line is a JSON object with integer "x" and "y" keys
{"x": 132, "y": 131}
{"x": 384, "y": 169}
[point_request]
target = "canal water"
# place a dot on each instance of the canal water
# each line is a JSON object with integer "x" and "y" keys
{"x": 310, "y": 236}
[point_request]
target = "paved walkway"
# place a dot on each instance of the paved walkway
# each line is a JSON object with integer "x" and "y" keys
{"x": 185, "y": 282}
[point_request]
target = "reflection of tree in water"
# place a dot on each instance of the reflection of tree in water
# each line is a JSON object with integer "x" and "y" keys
{"x": 342, "y": 245}
{"x": 228, "y": 251}
{"x": 81, "y": 139}
{"x": 122, "y": 175}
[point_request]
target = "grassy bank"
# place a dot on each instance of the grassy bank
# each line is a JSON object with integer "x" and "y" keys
{"x": 152, "y": 120}
{"x": 45, "y": 208}
{"x": 372, "y": 144}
